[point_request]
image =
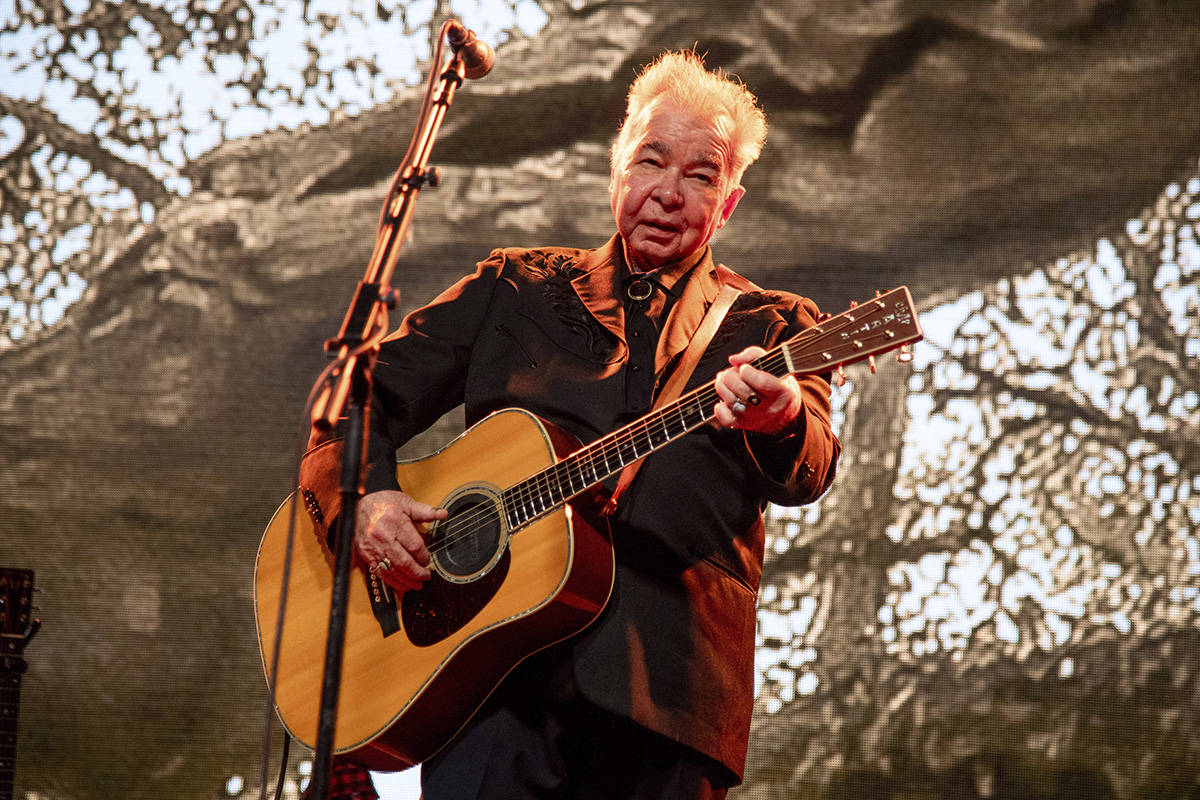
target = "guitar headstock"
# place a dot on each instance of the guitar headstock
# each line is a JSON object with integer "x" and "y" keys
{"x": 886, "y": 322}
{"x": 17, "y": 623}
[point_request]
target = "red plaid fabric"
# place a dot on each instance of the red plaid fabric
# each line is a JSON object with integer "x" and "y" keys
{"x": 348, "y": 782}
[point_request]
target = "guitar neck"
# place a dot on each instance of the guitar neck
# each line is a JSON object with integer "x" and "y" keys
{"x": 17, "y": 626}
{"x": 11, "y": 668}
{"x": 885, "y": 323}
{"x": 545, "y": 491}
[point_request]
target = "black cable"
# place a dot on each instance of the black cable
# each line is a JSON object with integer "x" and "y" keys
{"x": 283, "y": 760}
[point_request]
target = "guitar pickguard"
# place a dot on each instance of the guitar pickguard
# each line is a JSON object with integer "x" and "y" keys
{"x": 441, "y": 607}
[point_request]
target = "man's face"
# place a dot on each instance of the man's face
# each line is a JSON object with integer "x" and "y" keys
{"x": 671, "y": 185}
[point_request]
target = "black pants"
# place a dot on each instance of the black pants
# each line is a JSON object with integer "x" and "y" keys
{"x": 537, "y": 739}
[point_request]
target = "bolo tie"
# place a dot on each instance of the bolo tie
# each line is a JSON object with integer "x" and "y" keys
{"x": 639, "y": 289}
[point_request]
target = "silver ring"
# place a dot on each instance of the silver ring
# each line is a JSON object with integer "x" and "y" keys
{"x": 753, "y": 399}
{"x": 383, "y": 565}
{"x": 738, "y": 407}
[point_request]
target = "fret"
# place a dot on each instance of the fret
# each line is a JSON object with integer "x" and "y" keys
{"x": 554, "y": 488}
{"x": 512, "y": 510}
{"x": 527, "y": 506}
{"x": 568, "y": 474}
{"x": 638, "y": 445}
{"x": 586, "y": 475}
{"x": 592, "y": 475}
{"x": 537, "y": 498}
{"x": 609, "y": 469}
{"x": 691, "y": 415}
{"x": 659, "y": 434}
{"x": 513, "y": 500}
{"x": 510, "y": 516}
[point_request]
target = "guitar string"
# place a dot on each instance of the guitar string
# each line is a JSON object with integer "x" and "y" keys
{"x": 526, "y": 494}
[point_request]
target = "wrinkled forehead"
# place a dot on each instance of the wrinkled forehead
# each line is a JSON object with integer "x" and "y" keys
{"x": 664, "y": 125}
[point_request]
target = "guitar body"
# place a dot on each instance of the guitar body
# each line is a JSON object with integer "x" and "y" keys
{"x": 417, "y": 667}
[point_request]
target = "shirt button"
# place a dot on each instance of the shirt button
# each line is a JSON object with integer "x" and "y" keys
{"x": 636, "y": 368}
{"x": 636, "y": 334}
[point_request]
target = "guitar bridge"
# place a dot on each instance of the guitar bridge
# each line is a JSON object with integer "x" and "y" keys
{"x": 383, "y": 605}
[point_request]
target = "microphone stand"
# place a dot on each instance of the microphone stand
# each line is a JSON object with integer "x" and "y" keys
{"x": 348, "y": 391}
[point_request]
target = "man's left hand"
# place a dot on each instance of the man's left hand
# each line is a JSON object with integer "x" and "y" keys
{"x": 753, "y": 400}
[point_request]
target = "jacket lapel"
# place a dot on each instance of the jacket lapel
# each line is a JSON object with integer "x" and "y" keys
{"x": 699, "y": 291}
{"x": 599, "y": 288}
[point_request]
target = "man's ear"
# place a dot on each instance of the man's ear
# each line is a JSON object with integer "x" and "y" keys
{"x": 731, "y": 202}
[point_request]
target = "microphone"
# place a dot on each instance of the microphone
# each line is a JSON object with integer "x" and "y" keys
{"x": 477, "y": 56}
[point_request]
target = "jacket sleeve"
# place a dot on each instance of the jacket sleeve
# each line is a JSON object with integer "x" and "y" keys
{"x": 421, "y": 371}
{"x": 797, "y": 465}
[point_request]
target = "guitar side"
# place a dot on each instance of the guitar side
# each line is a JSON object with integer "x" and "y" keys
{"x": 401, "y": 700}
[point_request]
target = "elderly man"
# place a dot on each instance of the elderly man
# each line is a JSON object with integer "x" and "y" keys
{"x": 653, "y": 699}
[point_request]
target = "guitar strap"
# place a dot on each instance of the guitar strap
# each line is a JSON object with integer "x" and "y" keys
{"x": 687, "y": 364}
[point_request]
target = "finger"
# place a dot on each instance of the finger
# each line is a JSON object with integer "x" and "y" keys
{"x": 724, "y": 392}
{"x": 406, "y": 571}
{"x": 397, "y": 537}
{"x": 398, "y": 568}
{"x": 425, "y": 513}
{"x": 724, "y": 417}
{"x": 401, "y": 581}
{"x": 412, "y": 539}
{"x": 763, "y": 383}
{"x": 746, "y": 356}
{"x": 731, "y": 387}
{"x": 726, "y": 412}
{"x": 404, "y": 586}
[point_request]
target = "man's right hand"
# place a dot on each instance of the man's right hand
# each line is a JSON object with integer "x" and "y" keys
{"x": 390, "y": 529}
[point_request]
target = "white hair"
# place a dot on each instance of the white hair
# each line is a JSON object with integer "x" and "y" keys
{"x": 682, "y": 78}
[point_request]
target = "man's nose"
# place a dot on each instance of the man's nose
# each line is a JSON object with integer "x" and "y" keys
{"x": 666, "y": 190}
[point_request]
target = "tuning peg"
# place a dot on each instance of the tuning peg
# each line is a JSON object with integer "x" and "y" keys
{"x": 841, "y": 374}
{"x": 871, "y": 363}
{"x": 904, "y": 354}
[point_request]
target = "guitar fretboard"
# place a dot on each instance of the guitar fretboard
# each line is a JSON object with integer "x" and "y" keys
{"x": 11, "y": 667}
{"x": 538, "y": 495}
{"x": 17, "y": 626}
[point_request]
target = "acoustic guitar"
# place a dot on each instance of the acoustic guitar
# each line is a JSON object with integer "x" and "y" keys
{"x": 520, "y": 563}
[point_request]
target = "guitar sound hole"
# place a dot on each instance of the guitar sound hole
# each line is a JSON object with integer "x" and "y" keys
{"x": 470, "y": 539}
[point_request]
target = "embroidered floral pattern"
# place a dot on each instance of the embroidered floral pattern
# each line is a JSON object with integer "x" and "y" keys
{"x": 555, "y": 270}
{"x": 745, "y": 308}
